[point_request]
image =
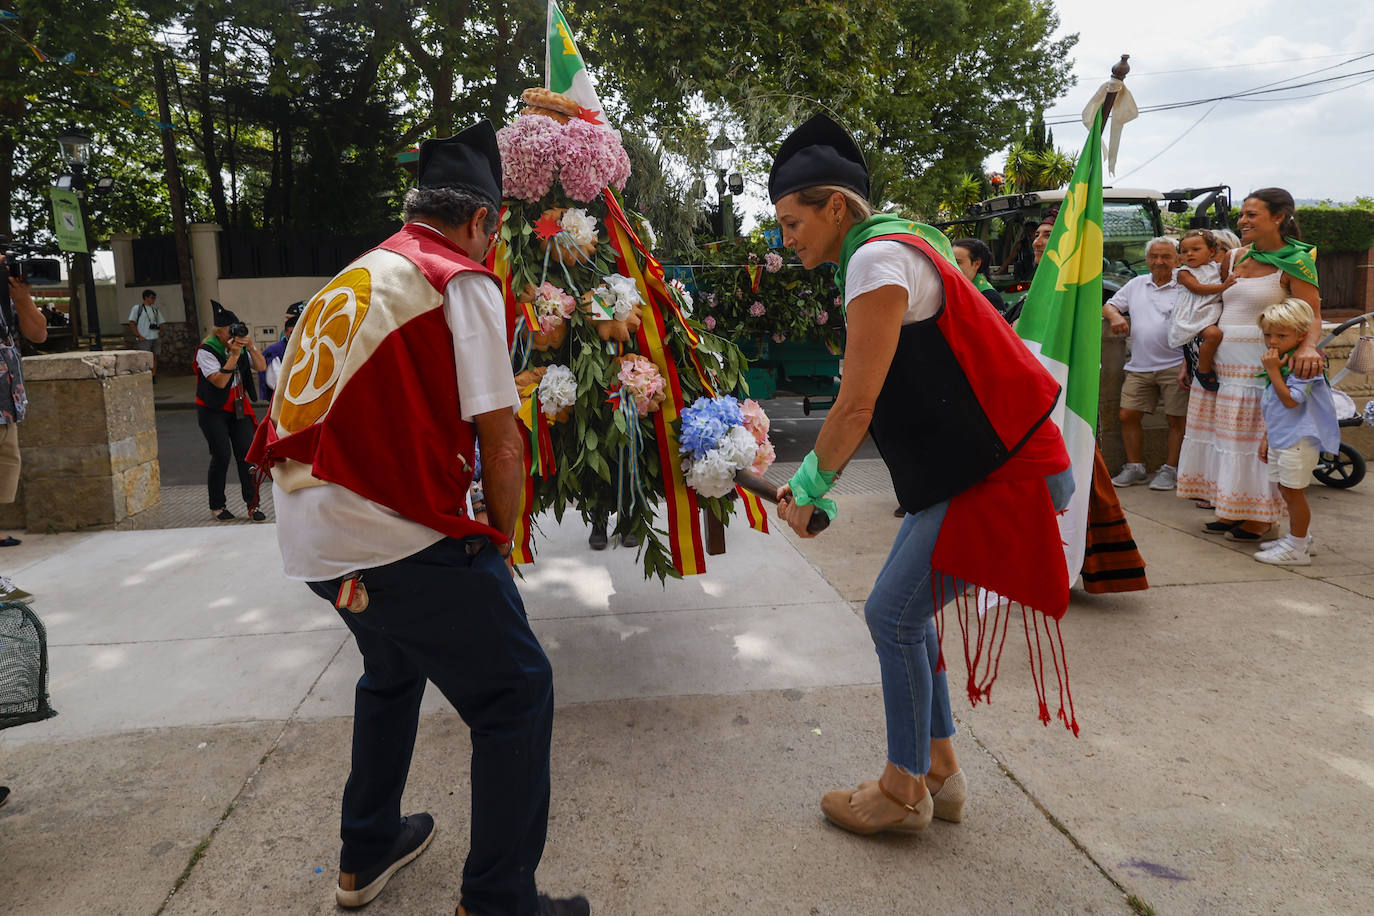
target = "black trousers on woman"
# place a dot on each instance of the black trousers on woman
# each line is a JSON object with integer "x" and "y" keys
{"x": 229, "y": 437}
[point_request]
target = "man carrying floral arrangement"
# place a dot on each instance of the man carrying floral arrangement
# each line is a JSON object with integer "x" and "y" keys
{"x": 397, "y": 372}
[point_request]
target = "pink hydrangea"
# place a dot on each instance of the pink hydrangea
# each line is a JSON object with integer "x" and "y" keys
{"x": 528, "y": 162}
{"x": 589, "y": 159}
{"x": 709, "y": 322}
{"x": 764, "y": 457}
{"x": 822, "y": 317}
{"x": 641, "y": 380}
{"x": 779, "y": 337}
{"x": 757, "y": 309}
{"x": 772, "y": 262}
{"x": 755, "y": 420}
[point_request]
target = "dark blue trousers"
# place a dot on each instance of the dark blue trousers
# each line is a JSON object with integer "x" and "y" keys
{"x": 451, "y": 614}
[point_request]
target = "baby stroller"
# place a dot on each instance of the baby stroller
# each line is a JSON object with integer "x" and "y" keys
{"x": 1345, "y": 468}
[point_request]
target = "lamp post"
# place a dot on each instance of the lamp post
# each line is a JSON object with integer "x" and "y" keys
{"x": 720, "y": 161}
{"x": 76, "y": 154}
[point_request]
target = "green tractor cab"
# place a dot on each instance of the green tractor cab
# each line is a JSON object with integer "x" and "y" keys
{"x": 1130, "y": 218}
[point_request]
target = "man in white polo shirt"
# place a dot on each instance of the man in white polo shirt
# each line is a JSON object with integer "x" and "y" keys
{"x": 1152, "y": 371}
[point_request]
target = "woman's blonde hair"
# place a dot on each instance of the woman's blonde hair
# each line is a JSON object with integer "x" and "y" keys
{"x": 818, "y": 195}
{"x": 1292, "y": 314}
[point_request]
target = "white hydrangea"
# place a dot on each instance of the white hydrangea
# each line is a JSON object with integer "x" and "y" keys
{"x": 580, "y": 226}
{"x": 712, "y": 474}
{"x": 557, "y": 389}
{"x": 738, "y": 447}
{"x": 623, "y": 295}
{"x": 647, "y": 235}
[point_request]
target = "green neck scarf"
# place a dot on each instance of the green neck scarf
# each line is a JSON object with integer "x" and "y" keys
{"x": 981, "y": 282}
{"x": 1296, "y": 258}
{"x": 888, "y": 224}
{"x": 214, "y": 343}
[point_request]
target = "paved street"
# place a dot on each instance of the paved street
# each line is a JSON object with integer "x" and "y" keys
{"x": 1224, "y": 765}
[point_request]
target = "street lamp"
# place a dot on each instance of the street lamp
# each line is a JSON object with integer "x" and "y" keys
{"x": 720, "y": 161}
{"x": 75, "y": 144}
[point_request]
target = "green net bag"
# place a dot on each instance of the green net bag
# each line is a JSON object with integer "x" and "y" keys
{"x": 23, "y": 666}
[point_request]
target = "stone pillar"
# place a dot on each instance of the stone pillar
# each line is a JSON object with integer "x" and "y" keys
{"x": 88, "y": 444}
{"x": 205, "y": 259}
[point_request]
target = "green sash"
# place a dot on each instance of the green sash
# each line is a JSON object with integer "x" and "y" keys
{"x": 214, "y": 343}
{"x": 1297, "y": 259}
{"x": 981, "y": 282}
{"x": 881, "y": 224}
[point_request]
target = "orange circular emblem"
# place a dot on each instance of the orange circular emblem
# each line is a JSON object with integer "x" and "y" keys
{"x": 327, "y": 329}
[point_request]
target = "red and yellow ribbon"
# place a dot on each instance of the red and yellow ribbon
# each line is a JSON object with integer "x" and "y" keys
{"x": 753, "y": 510}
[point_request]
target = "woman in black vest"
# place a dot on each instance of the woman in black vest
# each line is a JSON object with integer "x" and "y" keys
{"x": 225, "y": 388}
{"x": 958, "y": 408}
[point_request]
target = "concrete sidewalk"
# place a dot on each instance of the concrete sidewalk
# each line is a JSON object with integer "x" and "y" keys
{"x": 1225, "y": 762}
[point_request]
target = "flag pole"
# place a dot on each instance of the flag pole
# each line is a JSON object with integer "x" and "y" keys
{"x": 548, "y": 43}
{"x": 1118, "y": 72}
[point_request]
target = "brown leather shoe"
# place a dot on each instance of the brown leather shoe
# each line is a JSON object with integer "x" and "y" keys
{"x": 872, "y": 808}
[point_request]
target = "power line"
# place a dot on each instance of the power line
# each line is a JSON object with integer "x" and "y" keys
{"x": 1263, "y": 63}
{"x": 1172, "y": 143}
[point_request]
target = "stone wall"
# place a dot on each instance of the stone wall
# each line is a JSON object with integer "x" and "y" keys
{"x": 88, "y": 444}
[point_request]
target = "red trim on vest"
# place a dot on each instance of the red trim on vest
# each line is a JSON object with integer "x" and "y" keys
{"x": 394, "y": 433}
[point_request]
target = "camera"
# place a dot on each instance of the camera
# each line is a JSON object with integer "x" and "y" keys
{"x": 238, "y": 329}
{"x": 23, "y": 263}
{"x": 153, "y": 325}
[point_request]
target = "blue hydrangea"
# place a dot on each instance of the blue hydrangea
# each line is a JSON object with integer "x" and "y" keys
{"x": 706, "y": 422}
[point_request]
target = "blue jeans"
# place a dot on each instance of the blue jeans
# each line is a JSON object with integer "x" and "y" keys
{"x": 451, "y": 614}
{"x": 900, "y": 612}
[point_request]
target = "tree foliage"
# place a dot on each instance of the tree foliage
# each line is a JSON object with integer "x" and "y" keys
{"x": 288, "y": 113}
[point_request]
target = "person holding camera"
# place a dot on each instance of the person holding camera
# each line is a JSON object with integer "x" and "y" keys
{"x": 18, "y": 316}
{"x": 225, "y": 389}
{"x": 145, "y": 320}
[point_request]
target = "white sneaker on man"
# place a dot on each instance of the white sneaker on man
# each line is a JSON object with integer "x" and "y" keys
{"x": 1166, "y": 479}
{"x": 1287, "y": 551}
{"x": 11, "y": 592}
{"x": 1131, "y": 474}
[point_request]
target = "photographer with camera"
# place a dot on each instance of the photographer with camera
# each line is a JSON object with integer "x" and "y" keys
{"x": 145, "y": 320}
{"x": 225, "y": 389}
{"x": 18, "y": 315}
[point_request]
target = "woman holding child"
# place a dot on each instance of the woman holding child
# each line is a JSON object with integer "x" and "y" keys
{"x": 1221, "y": 461}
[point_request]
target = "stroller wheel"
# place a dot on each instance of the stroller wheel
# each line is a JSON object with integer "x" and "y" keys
{"x": 1341, "y": 470}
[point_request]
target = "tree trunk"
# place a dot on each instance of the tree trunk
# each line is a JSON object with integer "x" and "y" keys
{"x": 204, "y": 42}
{"x": 178, "y": 201}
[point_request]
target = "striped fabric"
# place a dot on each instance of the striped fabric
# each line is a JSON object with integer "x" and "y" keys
{"x": 1111, "y": 562}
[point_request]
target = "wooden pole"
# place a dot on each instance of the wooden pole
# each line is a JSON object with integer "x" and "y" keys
{"x": 1119, "y": 72}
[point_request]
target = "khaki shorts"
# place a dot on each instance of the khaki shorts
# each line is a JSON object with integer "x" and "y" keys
{"x": 1292, "y": 467}
{"x": 1141, "y": 391}
{"x": 9, "y": 461}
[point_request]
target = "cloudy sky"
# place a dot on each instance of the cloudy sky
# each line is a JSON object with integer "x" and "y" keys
{"x": 1318, "y": 147}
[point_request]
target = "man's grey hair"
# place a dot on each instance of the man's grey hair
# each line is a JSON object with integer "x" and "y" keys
{"x": 1162, "y": 240}
{"x": 1226, "y": 238}
{"x": 450, "y": 206}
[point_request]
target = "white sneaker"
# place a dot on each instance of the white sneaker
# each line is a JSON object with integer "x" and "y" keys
{"x": 1287, "y": 551}
{"x": 1272, "y": 543}
{"x": 1131, "y": 474}
{"x": 1166, "y": 479}
{"x": 11, "y": 592}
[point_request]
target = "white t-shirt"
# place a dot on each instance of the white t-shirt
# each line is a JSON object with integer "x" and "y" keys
{"x": 1150, "y": 308}
{"x": 209, "y": 364}
{"x": 143, "y": 316}
{"x": 889, "y": 263}
{"x": 329, "y": 531}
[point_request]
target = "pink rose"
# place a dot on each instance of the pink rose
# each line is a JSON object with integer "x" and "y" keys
{"x": 757, "y": 309}
{"x": 822, "y": 317}
{"x": 710, "y": 323}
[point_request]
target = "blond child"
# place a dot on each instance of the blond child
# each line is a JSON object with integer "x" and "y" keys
{"x": 1197, "y": 308}
{"x": 1300, "y": 424}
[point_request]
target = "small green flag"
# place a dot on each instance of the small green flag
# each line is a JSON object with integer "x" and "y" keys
{"x": 564, "y": 70}
{"x": 1061, "y": 322}
{"x": 67, "y": 223}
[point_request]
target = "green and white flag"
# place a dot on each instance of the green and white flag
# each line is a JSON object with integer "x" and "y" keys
{"x": 1061, "y": 322}
{"x": 564, "y": 70}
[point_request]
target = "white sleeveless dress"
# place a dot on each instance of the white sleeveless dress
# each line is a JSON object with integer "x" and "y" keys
{"x": 1220, "y": 458}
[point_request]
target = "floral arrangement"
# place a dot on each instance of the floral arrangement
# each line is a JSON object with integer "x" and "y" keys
{"x": 748, "y": 292}
{"x": 617, "y": 295}
{"x": 716, "y": 442}
{"x": 640, "y": 379}
{"x": 583, "y": 157}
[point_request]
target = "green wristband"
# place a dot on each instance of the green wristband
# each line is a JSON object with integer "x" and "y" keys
{"x": 810, "y": 484}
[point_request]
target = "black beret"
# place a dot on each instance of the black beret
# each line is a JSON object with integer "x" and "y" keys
{"x": 820, "y": 152}
{"x": 469, "y": 160}
{"x": 295, "y": 308}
